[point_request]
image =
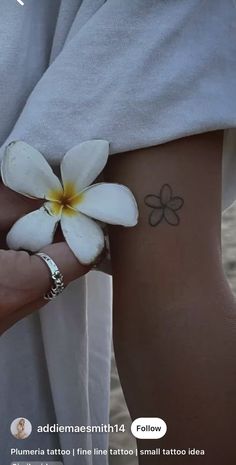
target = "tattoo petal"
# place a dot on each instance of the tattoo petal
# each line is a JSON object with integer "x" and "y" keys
{"x": 152, "y": 200}
{"x": 171, "y": 217}
{"x": 165, "y": 194}
{"x": 156, "y": 216}
{"x": 175, "y": 203}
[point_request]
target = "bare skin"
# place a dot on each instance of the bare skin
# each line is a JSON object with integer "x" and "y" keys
{"x": 174, "y": 314}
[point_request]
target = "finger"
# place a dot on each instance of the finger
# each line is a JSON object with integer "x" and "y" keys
{"x": 66, "y": 261}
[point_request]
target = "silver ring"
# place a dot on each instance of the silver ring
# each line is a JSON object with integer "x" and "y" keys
{"x": 57, "y": 277}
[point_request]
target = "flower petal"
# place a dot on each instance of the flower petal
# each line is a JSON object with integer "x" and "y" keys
{"x": 33, "y": 231}
{"x": 83, "y": 163}
{"x": 84, "y": 237}
{"x": 156, "y": 216}
{"x": 26, "y": 171}
{"x": 165, "y": 194}
{"x": 152, "y": 200}
{"x": 171, "y": 217}
{"x": 111, "y": 203}
{"x": 175, "y": 203}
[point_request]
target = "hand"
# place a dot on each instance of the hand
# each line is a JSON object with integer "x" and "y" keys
{"x": 24, "y": 279}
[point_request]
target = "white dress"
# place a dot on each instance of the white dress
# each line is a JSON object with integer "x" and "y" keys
{"x": 137, "y": 74}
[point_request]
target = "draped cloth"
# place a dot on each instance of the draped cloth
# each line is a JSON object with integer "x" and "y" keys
{"x": 137, "y": 74}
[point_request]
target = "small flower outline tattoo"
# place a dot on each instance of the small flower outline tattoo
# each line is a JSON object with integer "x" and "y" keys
{"x": 164, "y": 206}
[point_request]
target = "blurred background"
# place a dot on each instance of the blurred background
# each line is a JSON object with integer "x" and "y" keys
{"x": 118, "y": 411}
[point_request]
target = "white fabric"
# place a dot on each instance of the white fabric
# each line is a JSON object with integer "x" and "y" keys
{"x": 55, "y": 368}
{"x": 137, "y": 74}
{"x": 134, "y": 73}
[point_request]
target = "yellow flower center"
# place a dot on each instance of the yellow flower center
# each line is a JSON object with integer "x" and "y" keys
{"x": 64, "y": 200}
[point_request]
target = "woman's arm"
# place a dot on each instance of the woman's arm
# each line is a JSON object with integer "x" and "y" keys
{"x": 174, "y": 314}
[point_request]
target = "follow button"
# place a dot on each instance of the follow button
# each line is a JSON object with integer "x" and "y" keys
{"x": 148, "y": 428}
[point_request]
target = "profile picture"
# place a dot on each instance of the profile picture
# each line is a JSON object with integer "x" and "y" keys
{"x": 21, "y": 428}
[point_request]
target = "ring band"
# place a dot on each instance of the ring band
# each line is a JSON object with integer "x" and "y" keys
{"x": 57, "y": 277}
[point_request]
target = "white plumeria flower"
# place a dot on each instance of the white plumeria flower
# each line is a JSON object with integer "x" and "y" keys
{"x": 71, "y": 201}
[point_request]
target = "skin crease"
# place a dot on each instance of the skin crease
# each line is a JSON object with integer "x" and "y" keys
{"x": 174, "y": 314}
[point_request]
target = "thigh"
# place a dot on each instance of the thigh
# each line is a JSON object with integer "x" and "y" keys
{"x": 176, "y": 243}
{"x": 173, "y": 338}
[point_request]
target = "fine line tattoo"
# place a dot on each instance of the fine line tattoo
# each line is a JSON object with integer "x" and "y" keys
{"x": 164, "y": 206}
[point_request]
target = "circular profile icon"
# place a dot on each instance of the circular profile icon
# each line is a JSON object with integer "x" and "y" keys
{"x": 21, "y": 428}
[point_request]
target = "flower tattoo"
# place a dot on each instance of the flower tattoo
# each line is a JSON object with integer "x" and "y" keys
{"x": 164, "y": 206}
